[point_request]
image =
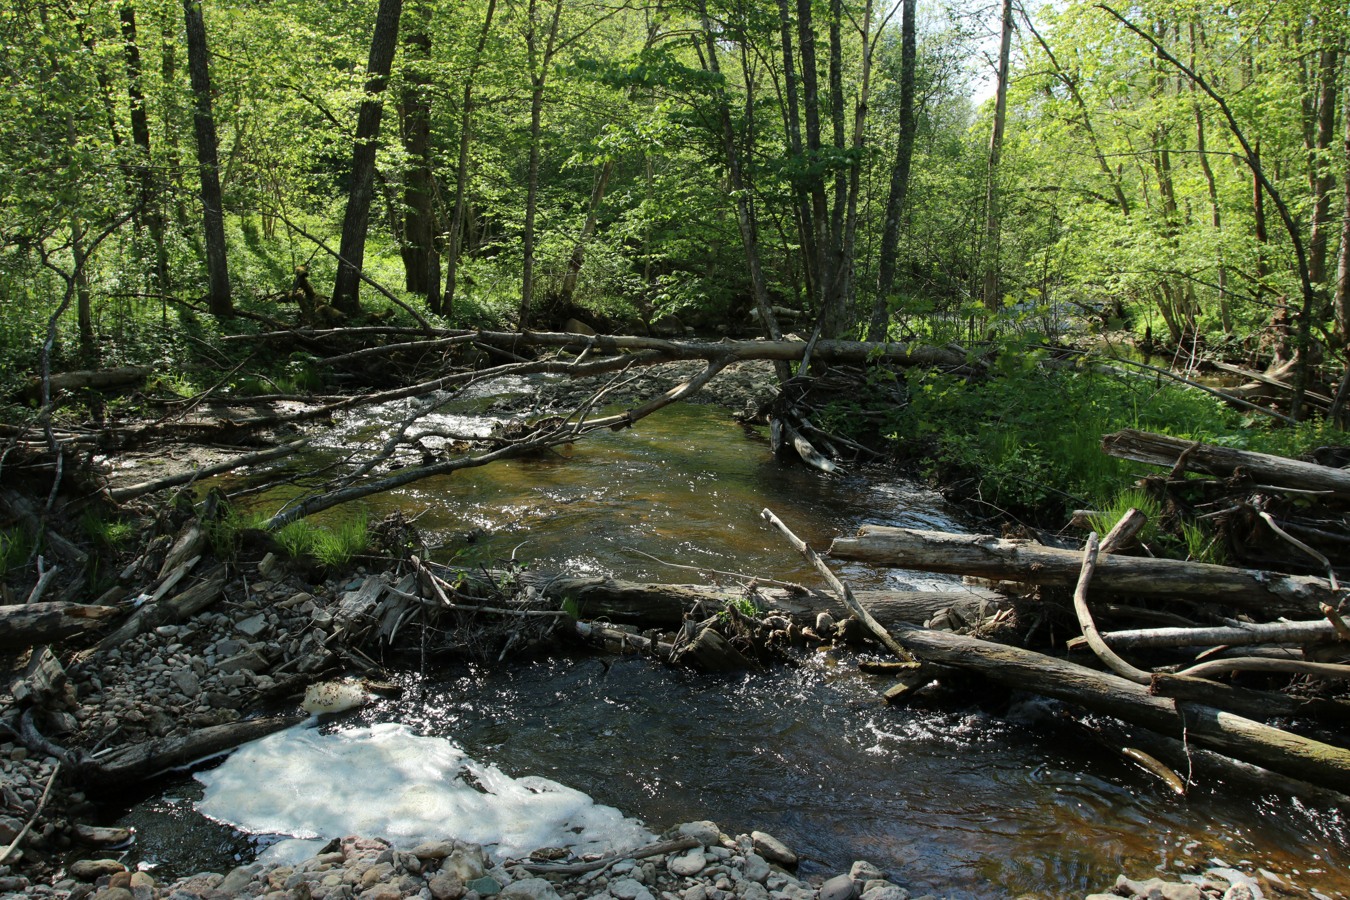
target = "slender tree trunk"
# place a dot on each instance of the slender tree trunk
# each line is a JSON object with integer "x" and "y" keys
{"x": 148, "y": 199}
{"x": 540, "y": 61}
{"x": 421, "y": 262}
{"x": 578, "y": 257}
{"x": 213, "y": 213}
{"x": 993, "y": 297}
{"x": 745, "y": 211}
{"x": 1343, "y": 263}
{"x": 791, "y": 88}
{"x": 356, "y": 222}
{"x": 1216, "y": 219}
{"x": 1321, "y": 175}
{"x": 822, "y": 277}
{"x": 895, "y": 198}
{"x": 454, "y": 246}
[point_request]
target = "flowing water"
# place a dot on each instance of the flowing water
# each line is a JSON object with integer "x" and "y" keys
{"x": 948, "y": 798}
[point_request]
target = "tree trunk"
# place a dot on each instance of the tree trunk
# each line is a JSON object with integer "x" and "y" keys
{"x": 578, "y": 257}
{"x": 454, "y": 246}
{"x": 993, "y": 296}
{"x": 421, "y": 262}
{"x": 1222, "y": 462}
{"x": 25, "y": 625}
{"x": 895, "y": 199}
{"x": 540, "y": 60}
{"x": 1321, "y": 174}
{"x": 985, "y": 556}
{"x": 1342, "y": 304}
{"x": 745, "y": 212}
{"x": 147, "y": 195}
{"x": 208, "y": 165}
{"x": 356, "y": 222}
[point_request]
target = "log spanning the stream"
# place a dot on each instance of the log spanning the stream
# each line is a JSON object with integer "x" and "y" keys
{"x": 1224, "y": 462}
{"x": 652, "y": 605}
{"x": 1279, "y": 751}
{"x": 986, "y": 556}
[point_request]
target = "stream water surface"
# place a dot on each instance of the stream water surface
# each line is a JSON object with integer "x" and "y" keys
{"x": 953, "y": 800}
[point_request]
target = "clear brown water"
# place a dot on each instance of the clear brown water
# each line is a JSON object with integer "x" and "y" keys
{"x": 950, "y": 799}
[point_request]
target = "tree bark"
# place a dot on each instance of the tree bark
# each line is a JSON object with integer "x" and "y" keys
{"x": 421, "y": 262}
{"x": 121, "y": 768}
{"x": 208, "y": 164}
{"x": 993, "y": 297}
{"x": 540, "y": 60}
{"x": 30, "y": 624}
{"x": 147, "y": 194}
{"x": 1223, "y": 462}
{"x": 455, "y": 245}
{"x": 899, "y": 187}
{"x": 1244, "y": 739}
{"x": 356, "y": 221}
{"x": 985, "y": 556}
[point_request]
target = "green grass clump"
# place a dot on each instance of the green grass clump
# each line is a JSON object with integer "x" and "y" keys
{"x": 15, "y": 549}
{"x": 338, "y": 546}
{"x": 1105, "y": 519}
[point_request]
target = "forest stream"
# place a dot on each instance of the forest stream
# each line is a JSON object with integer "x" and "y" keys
{"x": 953, "y": 797}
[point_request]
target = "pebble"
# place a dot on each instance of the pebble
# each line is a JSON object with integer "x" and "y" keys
{"x": 690, "y": 863}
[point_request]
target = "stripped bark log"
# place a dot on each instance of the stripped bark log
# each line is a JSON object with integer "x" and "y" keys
{"x": 1236, "y": 736}
{"x": 1224, "y": 635}
{"x": 652, "y": 605}
{"x": 1223, "y": 462}
{"x": 985, "y": 556}
{"x": 1108, "y": 656}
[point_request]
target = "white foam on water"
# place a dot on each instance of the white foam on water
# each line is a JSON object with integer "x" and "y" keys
{"x": 384, "y": 781}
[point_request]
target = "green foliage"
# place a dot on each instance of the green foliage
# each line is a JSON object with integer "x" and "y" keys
{"x": 1106, "y": 518}
{"x": 742, "y": 606}
{"x": 298, "y": 538}
{"x": 225, "y": 533}
{"x": 1030, "y": 438}
{"x": 109, "y": 533}
{"x": 15, "y": 549}
{"x": 338, "y": 545}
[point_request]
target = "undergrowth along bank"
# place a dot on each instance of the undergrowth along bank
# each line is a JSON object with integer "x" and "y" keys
{"x": 1026, "y": 441}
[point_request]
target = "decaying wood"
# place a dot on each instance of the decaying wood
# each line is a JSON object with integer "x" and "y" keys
{"x": 1247, "y": 701}
{"x": 986, "y": 556}
{"x": 121, "y": 768}
{"x": 131, "y": 491}
{"x": 1261, "y": 664}
{"x": 167, "y": 611}
{"x": 42, "y": 681}
{"x": 30, "y": 624}
{"x": 1223, "y": 462}
{"x": 98, "y": 379}
{"x": 1224, "y": 635}
{"x": 1239, "y": 737}
{"x": 676, "y": 846}
{"x": 654, "y": 605}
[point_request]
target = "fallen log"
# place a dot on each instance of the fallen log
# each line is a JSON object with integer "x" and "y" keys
{"x": 1224, "y": 462}
{"x": 1223, "y": 635}
{"x": 131, "y": 491}
{"x": 1241, "y": 738}
{"x": 173, "y": 609}
{"x": 652, "y": 605}
{"x": 98, "y": 379}
{"x": 123, "y": 767}
{"x": 985, "y": 556}
{"x": 28, "y": 625}
{"x": 1246, "y": 701}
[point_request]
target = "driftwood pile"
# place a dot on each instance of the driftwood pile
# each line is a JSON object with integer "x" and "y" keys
{"x": 1226, "y": 649}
